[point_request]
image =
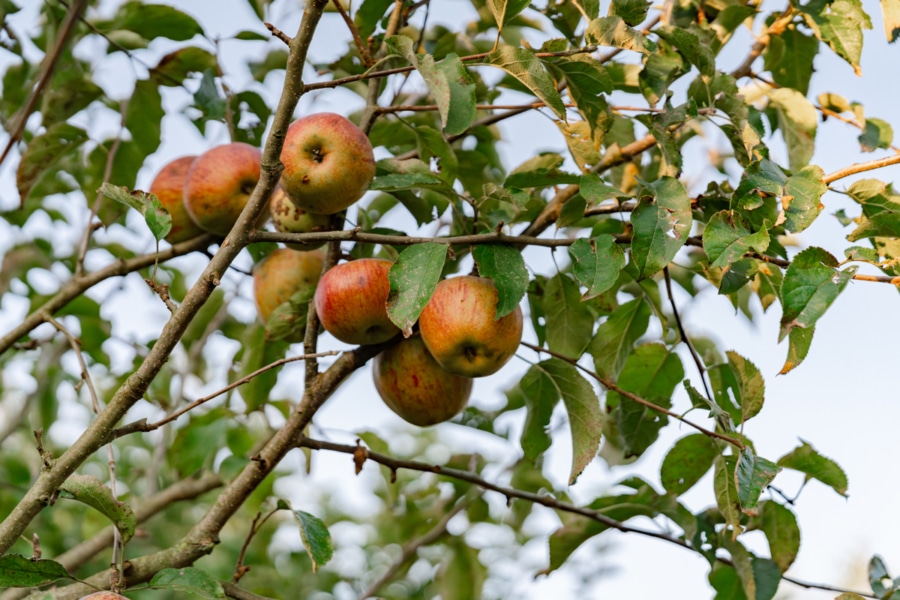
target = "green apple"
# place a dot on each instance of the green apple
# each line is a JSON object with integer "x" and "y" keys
{"x": 416, "y": 387}
{"x": 328, "y": 163}
{"x": 281, "y": 275}
{"x": 351, "y": 301}
{"x": 460, "y": 328}
{"x": 168, "y": 187}
{"x": 287, "y": 218}
{"x": 219, "y": 183}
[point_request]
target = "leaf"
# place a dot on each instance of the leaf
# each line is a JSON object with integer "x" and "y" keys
{"x": 689, "y": 45}
{"x": 505, "y": 266}
{"x": 789, "y": 57}
{"x": 890, "y": 12}
{"x": 799, "y": 341}
{"x": 151, "y": 21}
{"x": 633, "y": 12}
{"x": 840, "y": 24}
{"x": 89, "y": 490}
{"x": 66, "y": 98}
{"x": 188, "y": 580}
{"x": 158, "y": 218}
{"x": 662, "y": 224}
{"x": 596, "y": 191}
{"x": 461, "y": 575}
{"x": 802, "y": 194}
{"x": 144, "y": 114}
{"x": 583, "y": 407}
{"x": 570, "y": 322}
{"x": 876, "y": 134}
{"x": 727, "y": 494}
{"x": 752, "y": 475}
{"x": 522, "y": 64}
{"x": 588, "y": 8}
{"x": 413, "y": 279}
{"x": 368, "y": 14}
{"x": 687, "y": 462}
{"x": 596, "y": 263}
{"x": 614, "y": 31}
{"x": 880, "y": 580}
{"x": 44, "y": 152}
{"x": 260, "y": 349}
{"x": 587, "y": 81}
{"x": 173, "y": 68}
{"x": 505, "y": 10}
{"x": 782, "y": 532}
{"x": 727, "y": 239}
{"x": 394, "y": 182}
{"x": 797, "y": 119}
{"x": 751, "y": 387}
{"x": 652, "y": 373}
{"x": 806, "y": 459}
{"x": 18, "y": 571}
{"x": 616, "y": 337}
{"x": 810, "y": 285}
{"x": 315, "y": 537}
{"x": 540, "y": 396}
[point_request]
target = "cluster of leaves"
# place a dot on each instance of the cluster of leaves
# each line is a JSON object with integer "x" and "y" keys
{"x": 632, "y": 228}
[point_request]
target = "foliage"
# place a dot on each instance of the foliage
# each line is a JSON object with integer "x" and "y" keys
{"x": 197, "y": 493}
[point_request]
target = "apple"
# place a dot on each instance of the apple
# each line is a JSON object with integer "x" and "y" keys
{"x": 219, "y": 183}
{"x": 168, "y": 187}
{"x": 460, "y": 328}
{"x": 416, "y": 387}
{"x": 281, "y": 275}
{"x": 287, "y": 218}
{"x": 328, "y": 163}
{"x": 103, "y": 595}
{"x": 351, "y": 301}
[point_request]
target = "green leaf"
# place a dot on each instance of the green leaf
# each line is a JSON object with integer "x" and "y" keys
{"x": 368, "y": 14}
{"x": 876, "y": 134}
{"x": 89, "y": 490}
{"x": 540, "y": 396}
{"x": 799, "y": 341}
{"x": 505, "y": 266}
{"x": 890, "y": 12}
{"x": 840, "y": 24}
{"x": 151, "y": 21}
{"x": 259, "y": 351}
{"x": 662, "y": 223}
{"x": 394, "y": 182}
{"x": 880, "y": 580}
{"x": 288, "y": 322}
{"x": 158, "y": 218}
{"x": 687, "y": 462}
{"x": 727, "y": 493}
{"x": 802, "y": 194}
{"x": 727, "y": 239}
{"x": 882, "y": 224}
{"x": 45, "y": 152}
{"x": 724, "y": 579}
{"x": 589, "y": 9}
{"x": 173, "y": 68}
{"x": 586, "y": 82}
{"x": 689, "y": 45}
{"x": 782, "y": 532}
{"x": 596, "y": 263}
{"x": 522, "y": 64}
{"x": 413, "y": 279}
{"x": 751, "y": 388}
{"x": 505, "y": 10}
{"x": 614, "y": 31}
{"x": 789, "y": 57}
{"x": 652, "y": 373}
{"x": 66, "y": 98}
{"x": 752, "y": 475}
{"x": 797, "y": 119}
{"x": 633, "y": 12}
{"x": 806, "y": 459}
{"x": 570, "y": 322}
{"x": 661, "y": 68}
{"x": 315, "y": 537}
{"x": 596, "y": 191}
{"x": 583, "y": 407}
{"x": 18, "y": 571}
{"x": 188, "y": 580}
{"x": 810, "y": 285}
{"x": 617, "y": 335}
{"x": 144, "y": 114}
{"x": 432, "y": 144}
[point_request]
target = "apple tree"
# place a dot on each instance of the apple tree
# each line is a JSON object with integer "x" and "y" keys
{"x": 158, "y": 439}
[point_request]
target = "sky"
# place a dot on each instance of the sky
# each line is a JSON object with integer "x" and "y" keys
{"x": 843, "y": 399}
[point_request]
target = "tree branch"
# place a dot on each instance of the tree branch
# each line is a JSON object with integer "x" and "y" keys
{"x": 861, "y": 168}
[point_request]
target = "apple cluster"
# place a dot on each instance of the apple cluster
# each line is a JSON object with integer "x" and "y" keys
{"x": 328, "y": 165}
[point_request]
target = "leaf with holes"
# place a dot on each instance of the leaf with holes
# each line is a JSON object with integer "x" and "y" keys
{"x": 522, "y": 64}
{"x": 662, "y": 222}
{"x": 596, "y": 263}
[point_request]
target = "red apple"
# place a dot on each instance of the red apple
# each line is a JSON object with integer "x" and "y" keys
{"x": 168, "y": 186}
{"x": 460, "y": 327}
{"x": 287, "y": 218}
{"x": 219, "y": 183}
{"x": 351, "y": 301}
{"x": 103, "y": 595}
{"x": 281, "y": 275}
{"x": 416, "y": 387}
{"x": 328, "y": 163}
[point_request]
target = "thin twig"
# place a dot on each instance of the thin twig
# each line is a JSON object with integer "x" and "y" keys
{"x": 684, "y": 336}
{"x": 613, "y": 387}
{"x": 240, "y": 569}
{"x": 861, "y": 168}
{"x": 360, "y": 45}
{"x": 278, "y": 33}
